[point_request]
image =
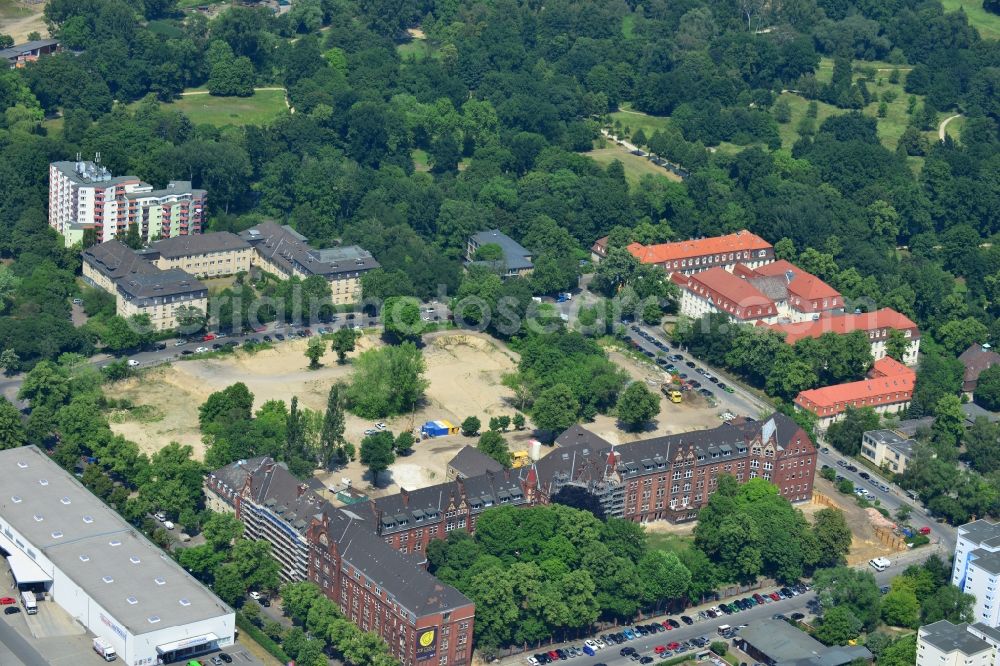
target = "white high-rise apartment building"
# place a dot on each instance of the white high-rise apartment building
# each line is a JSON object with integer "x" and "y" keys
{"x": 947, "y": 644}
{"x": 977, "y": 568}
{"x": 84, "y": 195}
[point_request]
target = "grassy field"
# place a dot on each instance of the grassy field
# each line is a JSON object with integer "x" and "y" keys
{"x": 263, "y": 107}
{"x": 986, "y": 23}
{"x": 628, "y": 25}
{"x": 672, "y": 543}
{"x": 418, "y": 49}
{"x": 635, "y": 167}
{"x": 635, "y": 120}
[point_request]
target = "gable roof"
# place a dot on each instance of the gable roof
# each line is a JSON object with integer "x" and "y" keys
{"x": 192, "y": 244}
{"x": 884, "y": 318}
{"x": 739, "y": 241}
{"x": 515, "y": 255}
{"x": 115, "y": 260}
{"x": 889, "y": 382}
{"x": 804, "y": 285}
{"x": 976, "y": 358}
{"x": 729, "y": 293}
{"x": 470, "y": 461}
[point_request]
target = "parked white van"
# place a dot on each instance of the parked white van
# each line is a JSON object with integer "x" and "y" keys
{"x": 880, "y": 563}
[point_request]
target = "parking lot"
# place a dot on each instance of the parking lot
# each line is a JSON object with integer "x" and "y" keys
{"x": 688, "y": 634}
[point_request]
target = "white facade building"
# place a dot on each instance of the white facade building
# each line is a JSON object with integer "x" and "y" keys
{"x": 69, "y": 547}
{"x": 947, "y": 644}
{"x": 977, "y": 568}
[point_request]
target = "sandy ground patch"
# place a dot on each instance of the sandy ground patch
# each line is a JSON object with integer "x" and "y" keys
{"x": 464, "y": 371}
{"x": 416, "y": 33}
{"x": 693, "y": 414}
{"x": 23, "y": 19}
{"x": 865, "y": 545}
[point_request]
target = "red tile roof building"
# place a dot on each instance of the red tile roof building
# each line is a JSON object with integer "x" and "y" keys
{"x": 717, "y": 290}
{"x": 693, "y": 256}
{"x": 877, "y": 325}
{"x": 808, "y": 296}
{"x": 888, "y": 388}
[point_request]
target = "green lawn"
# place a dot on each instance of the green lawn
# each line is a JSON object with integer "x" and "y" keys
{"x": 420, "y": 159}
{"x": 890, "y": 128}
{"x": 419, "y": 49}
{"x": 672, "y": 543}
{"x": 986, "y": 23}
{"x": 636, "y": 119}
{"x": 263, "y": 107}
{"x": 628, "y": 25}
{"x": 635, "y": 167}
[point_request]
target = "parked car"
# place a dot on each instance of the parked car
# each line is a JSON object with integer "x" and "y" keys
{"x": 646, "y": 660}
{"x": 201, "y": 350}
{"x": 686, "y": 620}
{"x": 11, "y": 610}
{"x": 798, "y": 616}
{"x": 7, "y": 601}
{"x": 279, "y": 336}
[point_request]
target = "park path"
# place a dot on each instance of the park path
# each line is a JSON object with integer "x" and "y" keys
{"x": 944, "y": 124}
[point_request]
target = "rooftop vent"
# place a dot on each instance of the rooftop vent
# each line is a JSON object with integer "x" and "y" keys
{"x": 132, "y": 600}
{"x": 57, "y": 535}
{"x": 85, "y": 558}
{"x": 115, "y": 542}
{"x": 22, "y": 464}
{"x": 88, "y": 519}
{"x": 43, "y": 482}
{"x": 39, "y": 518}
{"x": 184, "y": 602}
{"x": 134, "y": 559}
{"x": 153, "y": 619}
{"x": 15, "y": 499}
{"x": 108, "y": 579}
{"x": 159, "y": 581}
{"x": 65, "y": 500}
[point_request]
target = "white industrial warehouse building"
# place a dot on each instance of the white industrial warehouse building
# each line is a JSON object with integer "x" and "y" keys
{"x": 63, "y": 541}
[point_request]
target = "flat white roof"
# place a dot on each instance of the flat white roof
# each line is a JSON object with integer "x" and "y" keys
{"x": 132, "y": 579}
{"x": 23, "y": 568}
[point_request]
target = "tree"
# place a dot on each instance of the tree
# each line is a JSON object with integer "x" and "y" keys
{"x": 9, "y": 361}
{"x": 12, "y": 432}
{"x": 377, "y": 453}
{"x": 494, "y": 445}
{"x": 403, "y": 445}
{"x": 221, "y": 530}
{"x": 229, "y": 75}
{"x": 45, "y": 386}
{"x": 637, "y": 405}
{"x": 332, "y": 436}
{"x": 343, "y": 342}
{"x": 839, "y": 625}
{"x": 896, "y": 345}
{"x": 956, "y": 335}
{"x": 900, "y": 608}
{"x": 314, "y": 351}
{"x": 555, "y": 410}
{"x": 833, "y": 537}
{"x": 947, "y": 603}
{"x": 982, "y": 444}
{"x": 471, "y": 426}
{"x": 387, "y": 381}
{"x": 987, "y": 394}
{"x": 401, "y": 318}
{"x": 119, "y": 335}
{"x": 949, "y": 420}
{"x": 853, "y": 589}
{"x": 845, "y": 435}
{"x": 901, "y": 653}
{"x": 719, "y": 647}
{"x": 518, "y": 421}
{"x": 230, "y": 405}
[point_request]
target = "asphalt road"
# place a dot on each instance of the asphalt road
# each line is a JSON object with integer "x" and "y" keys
{"x": 709, "y": 628}
{"x": 19, "y": 648}
{"x": 740, "y": 402}
{"x": 942, "y": 533}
